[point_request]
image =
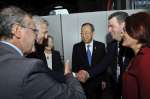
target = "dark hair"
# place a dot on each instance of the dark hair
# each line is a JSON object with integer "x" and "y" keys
{"x": 121, "y": 16}
{"x": 91, "y": 25}
{"x": 46, "y": 40}
{"x": 49, "y": 36}
{"x": 138, "y": 27}
{"x": 8, "y": 17}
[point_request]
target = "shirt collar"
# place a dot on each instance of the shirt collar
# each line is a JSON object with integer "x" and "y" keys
{"x": 91, "y": 43}
{"x": 15, "y": 47}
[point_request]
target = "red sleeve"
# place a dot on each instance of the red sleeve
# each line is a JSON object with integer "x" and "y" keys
{"x": 143, "y": 76}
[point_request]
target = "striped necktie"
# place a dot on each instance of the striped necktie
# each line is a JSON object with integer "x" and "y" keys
{"x": 89, "y": 54}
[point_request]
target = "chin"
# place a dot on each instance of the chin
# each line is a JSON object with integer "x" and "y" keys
{"x": 125, "y": 45}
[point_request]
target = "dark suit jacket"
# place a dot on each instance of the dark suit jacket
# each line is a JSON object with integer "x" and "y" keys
{"x": 58, "y": 70}
{"x": 136, "y": 79}
{"x": 24, "y": 78}
{"x": 79, "y": 56}
{"x": 80, "y": 61}
{"x": 57, "y": 64}
{"x": 110, "y": 59}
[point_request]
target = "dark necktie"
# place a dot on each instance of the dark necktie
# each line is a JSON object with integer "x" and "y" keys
{"x": 89, "y": 54}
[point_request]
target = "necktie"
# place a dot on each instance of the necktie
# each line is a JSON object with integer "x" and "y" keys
{"x": 89, "y": 54}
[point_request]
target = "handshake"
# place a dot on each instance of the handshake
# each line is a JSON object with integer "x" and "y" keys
{"x": 82, "y": 76}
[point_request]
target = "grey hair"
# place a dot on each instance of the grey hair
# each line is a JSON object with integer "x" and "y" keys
{"x": 8, "y": 17}
{"x": 38, "y": 20}
{"x": 120, "y": 15}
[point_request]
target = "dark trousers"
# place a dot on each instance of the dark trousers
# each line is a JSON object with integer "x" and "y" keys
{"x": 92, "y": 89}
{"x": 117, "y": 89}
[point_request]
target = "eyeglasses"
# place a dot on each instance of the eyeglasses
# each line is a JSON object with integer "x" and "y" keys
{"x": 34, "y": 30}
{"x": 86, "y": 33}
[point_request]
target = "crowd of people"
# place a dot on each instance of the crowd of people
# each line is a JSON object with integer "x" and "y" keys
{"x": 30, "y": 67}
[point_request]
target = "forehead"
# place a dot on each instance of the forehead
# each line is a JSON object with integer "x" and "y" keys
{"x": 113, "y": 21}
{"x": 86, "y": 27}
{"x": 28, "y": 21}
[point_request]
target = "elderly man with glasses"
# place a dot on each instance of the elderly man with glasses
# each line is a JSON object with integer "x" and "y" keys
{"x": 24, "y": 78}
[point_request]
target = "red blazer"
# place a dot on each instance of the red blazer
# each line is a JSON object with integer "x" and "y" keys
{"x": 136, "y": 80}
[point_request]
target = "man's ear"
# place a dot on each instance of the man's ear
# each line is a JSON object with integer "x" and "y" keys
{"x": 16, "y": 30}
{"x": 123, "y": 24}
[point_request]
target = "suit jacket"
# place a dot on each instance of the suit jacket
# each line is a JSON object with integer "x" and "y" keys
{"x": 57, "y": 64}
{"x": 24, "y": 78}
{"x": 92, "y": 87}
{"x": 110, "y": 59}
{"x": 79, "y": 56}
{"x": 136, "y": 79}
{"x": 58, "y": 70}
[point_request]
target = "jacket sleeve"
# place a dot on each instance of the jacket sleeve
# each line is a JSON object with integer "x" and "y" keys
{"x": 74, "y": 59}
{"x": 105, "y": 62}
{"x": 57, "y": 62}
{"x": 39, "y": 84}
{"x": 143, "y": 67}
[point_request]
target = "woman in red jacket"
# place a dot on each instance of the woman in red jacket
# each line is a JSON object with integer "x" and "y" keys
{"x": 136, "y": 79}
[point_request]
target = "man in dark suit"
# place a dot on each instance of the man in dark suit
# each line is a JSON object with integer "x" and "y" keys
{"x": 24, "y": 78}
{"x": 117, "y": 57}
{"x": 82, "y": 62}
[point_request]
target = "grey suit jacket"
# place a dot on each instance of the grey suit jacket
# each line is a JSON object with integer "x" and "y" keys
{"x": 23, "y": 78}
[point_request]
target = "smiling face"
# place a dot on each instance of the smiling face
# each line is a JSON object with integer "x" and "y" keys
{"x": 42, "y": 33}
{"x": 128, "y": 41}
{"x": 115, "y": 28}
{"x": 87, "y": 33}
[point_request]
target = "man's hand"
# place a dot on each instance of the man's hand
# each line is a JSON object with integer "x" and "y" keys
{"x": 82, "y": 76}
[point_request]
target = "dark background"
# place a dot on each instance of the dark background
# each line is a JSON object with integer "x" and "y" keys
{"x": 43, "y": 7}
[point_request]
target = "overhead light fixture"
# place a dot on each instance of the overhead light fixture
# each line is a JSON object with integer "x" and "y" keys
{"x": 58, "y": 10}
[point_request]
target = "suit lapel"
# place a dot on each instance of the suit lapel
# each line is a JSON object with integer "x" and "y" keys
{"x": 94, "y": 51}
{"x": 83, "y": 51}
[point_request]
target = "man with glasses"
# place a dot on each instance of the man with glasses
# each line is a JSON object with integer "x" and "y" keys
{"x": 24, "y": 78}
{"x": 85, "y": 55}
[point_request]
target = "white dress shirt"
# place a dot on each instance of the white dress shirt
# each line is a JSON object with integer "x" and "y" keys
{"x": 49, "y": 60}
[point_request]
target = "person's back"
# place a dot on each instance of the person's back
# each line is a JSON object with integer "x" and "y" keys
{"x": 13, "y": 72}
{"x": 24, "y": 78}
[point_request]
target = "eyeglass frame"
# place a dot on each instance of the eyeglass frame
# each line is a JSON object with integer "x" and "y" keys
{"x": 34, "y": 30}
